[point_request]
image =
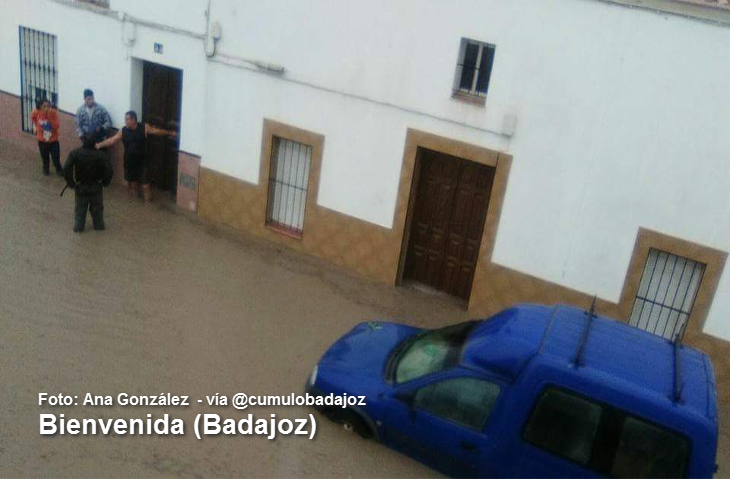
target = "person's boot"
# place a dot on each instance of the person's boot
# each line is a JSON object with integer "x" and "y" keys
{"x": 80, "y": 208}
{"x": 96, "y": 208}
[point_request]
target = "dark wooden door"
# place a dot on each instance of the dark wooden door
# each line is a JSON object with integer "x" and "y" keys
{"x": 162, "y": 95}
{"x": 451, "y": 205}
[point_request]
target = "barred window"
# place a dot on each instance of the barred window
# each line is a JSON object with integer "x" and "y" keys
{"x": 38, "y": 75}
{"x": 474, "y": 68}
{"x": 666, "y": 294}
{"x": 288, "y": 184}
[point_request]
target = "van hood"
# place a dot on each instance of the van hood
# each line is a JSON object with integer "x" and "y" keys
{"x": 364, "y": 350}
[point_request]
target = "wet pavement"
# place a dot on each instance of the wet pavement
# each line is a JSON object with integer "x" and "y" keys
{"x": 158, "y": 303}
{"x": 161, "y": 302}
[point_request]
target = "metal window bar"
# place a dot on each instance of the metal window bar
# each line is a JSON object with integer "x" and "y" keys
{"x": 666, "y": 295}
{"x": 38, "y": 73}
{"x": 474, "y": 68}
{"x": 98, "y": 3}
{"x": 288, "y": 185}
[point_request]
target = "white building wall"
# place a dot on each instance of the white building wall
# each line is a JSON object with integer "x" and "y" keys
{"x": 91, "y": 54}
{"x": 363, "y": 147}
{"x": 183, "y": 14}
{"x": 621, "y": 113}
{"x": 81, "y": 63}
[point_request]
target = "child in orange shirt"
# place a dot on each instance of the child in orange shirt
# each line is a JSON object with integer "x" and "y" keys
{"x": 45, "y": 119}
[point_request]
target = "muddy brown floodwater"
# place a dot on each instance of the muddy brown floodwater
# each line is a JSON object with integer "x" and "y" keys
{"x": 159, "y": 303}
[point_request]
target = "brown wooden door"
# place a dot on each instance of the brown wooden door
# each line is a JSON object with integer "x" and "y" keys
{"x": 161, "y": 99}
{"x": 451, "y": 205}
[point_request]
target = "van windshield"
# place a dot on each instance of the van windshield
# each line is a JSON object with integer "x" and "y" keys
{"x": 430, "y": 352}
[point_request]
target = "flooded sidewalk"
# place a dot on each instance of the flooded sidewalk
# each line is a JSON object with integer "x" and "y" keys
{"x": 162, "y": 303}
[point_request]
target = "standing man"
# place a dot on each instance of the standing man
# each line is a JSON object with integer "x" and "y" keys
{"x": 45, "y": 119}
{"x": 87, "y": 171}
{"x": 134, "y": 137}
{"x": 92, "y": 117}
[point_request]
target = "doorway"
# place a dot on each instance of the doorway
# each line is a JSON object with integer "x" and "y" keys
{"x": 161, "y": 102}
{"x": 449, "y": 209}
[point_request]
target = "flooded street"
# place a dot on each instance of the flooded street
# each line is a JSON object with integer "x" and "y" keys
{"x": 160, "y": 303}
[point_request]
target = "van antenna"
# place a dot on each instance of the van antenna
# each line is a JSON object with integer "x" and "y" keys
{"x": 678, "y": 386}
{"x": 578, "y": 361}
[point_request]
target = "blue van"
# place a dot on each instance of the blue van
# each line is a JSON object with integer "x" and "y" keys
{"x": 534, "y": 391}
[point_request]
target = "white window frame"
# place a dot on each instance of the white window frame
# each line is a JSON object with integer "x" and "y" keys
{"x": 472, "y": 91}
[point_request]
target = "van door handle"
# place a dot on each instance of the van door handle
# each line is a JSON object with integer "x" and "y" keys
{"x": 468, "y": 446}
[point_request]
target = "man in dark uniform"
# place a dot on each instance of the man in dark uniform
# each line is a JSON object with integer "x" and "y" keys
{"x": 134, "y": 136}
{"x": 87, "y": 171}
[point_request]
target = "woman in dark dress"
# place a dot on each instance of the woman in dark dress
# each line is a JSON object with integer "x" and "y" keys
{"x": 134, "y": 136}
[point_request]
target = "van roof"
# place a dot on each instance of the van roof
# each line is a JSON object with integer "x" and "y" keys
{"x": 641, "y": 361}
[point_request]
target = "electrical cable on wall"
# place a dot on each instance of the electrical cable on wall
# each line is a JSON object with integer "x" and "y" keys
{"x": 213, "y": 32}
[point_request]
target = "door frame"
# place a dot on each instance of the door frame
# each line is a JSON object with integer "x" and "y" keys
{"x": 142, "y": 76}
{"x": 417, "y": 140}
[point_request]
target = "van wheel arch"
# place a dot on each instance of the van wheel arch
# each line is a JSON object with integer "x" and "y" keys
{"x": 352, "y": 420}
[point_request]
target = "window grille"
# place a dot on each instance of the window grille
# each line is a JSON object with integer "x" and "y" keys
{"x": 474, "y": 68}
{"x": 667, "y": 293}
{"x": 288, "y": 181}
{"x": 38, "y": 75}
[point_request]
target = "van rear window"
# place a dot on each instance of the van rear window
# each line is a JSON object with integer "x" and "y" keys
{"x": 646, "y": 450}
{"x": 603, "y": 438}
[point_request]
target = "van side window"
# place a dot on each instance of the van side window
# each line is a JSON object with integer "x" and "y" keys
{"x": 467, "y": 401}
{"x": 565, "y": 425}
{"x": 646, "y": 450}
{"x": 604, "y": 438}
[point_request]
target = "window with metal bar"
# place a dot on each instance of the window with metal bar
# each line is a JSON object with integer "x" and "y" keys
{"x": 473, "y": 68}
{"x": 667, "y": 293}
{"x": 98, "y": 3}
{"x": 288, "y": 181}
{"x": 38, "y": 75}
